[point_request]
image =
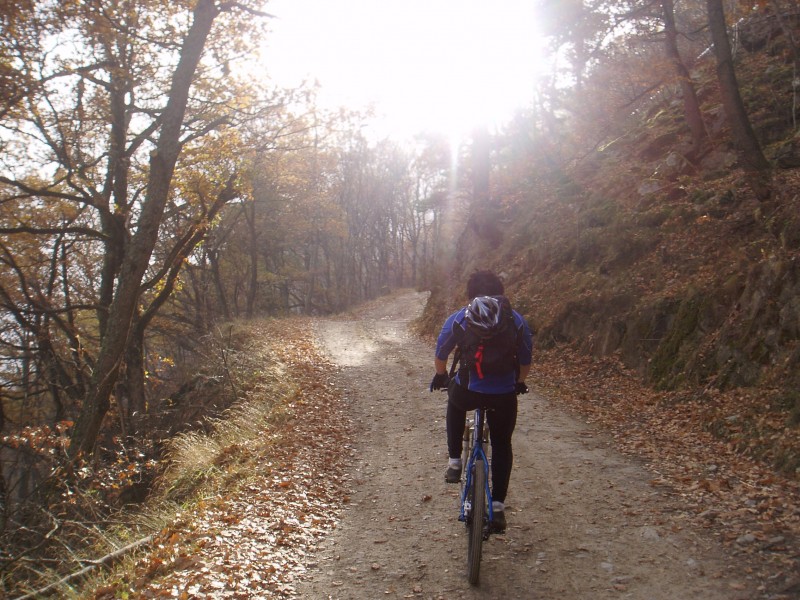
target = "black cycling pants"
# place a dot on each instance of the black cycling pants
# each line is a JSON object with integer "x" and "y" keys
{"x": 502, "y": 418}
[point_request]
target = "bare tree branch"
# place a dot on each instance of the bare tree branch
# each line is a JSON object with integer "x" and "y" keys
{"x": 105, "y": 561}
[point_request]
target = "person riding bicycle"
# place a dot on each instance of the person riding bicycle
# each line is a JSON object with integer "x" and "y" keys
{"x": 471, "y": 388}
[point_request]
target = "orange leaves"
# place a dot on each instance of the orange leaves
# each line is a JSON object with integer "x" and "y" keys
{"x": 40, "y": 438}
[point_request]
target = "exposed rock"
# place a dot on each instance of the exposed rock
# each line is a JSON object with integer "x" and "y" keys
{"x": 649, "y": 533}
{"x": 649, "y": 186}
{"x": 745, "y": 539}
{"x": 718, "y": 160}
{"x": 787, "y": 154}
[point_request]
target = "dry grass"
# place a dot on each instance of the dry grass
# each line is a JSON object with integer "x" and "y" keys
{"x": 200, "y": 462}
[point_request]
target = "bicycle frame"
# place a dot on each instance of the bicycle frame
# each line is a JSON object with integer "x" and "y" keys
{"x": 476, "y": 433}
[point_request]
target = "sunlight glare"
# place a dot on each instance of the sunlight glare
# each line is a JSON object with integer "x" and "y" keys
{"x": 425, "y": 65}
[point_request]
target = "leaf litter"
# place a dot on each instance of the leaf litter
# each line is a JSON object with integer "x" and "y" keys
{"x": 725, "y": 489}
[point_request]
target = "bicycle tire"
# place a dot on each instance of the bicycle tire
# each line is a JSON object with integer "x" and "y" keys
{"x": 475, "y": 524}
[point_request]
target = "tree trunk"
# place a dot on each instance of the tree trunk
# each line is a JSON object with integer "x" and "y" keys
{"x": 216, "y": 272}
{"x": 113, "y": 220}
{"x": 252, "y": 284}
{"x": 3, "y": 493}
{"x": 483, "y": 217}
{"x": 749, "y": 150}
{"x": 138, "y": 252}
{"x": 311, "y": 265}
{"x": 134, "y": 383}
{"x": 78, "y": 389}
{"x": 130, "y": 390}
{"x": 790, "y": 39}
{"x": 691, "y": 105}
{"x": 480, "y": 168}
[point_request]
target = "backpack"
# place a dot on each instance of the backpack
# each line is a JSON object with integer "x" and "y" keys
{"x": 487, "y": 353}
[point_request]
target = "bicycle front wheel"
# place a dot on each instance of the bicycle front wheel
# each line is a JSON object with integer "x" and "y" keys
{"x": 476, "y": 522}
{"x": 466, "y": 446}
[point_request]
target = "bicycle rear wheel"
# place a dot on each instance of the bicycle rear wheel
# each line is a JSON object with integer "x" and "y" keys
{"x": 475, "y": 523}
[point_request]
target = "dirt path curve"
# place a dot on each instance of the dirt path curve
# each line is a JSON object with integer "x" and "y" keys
{"x": 584, "y": 522}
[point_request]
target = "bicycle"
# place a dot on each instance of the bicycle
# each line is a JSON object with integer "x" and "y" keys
{"x": 475, "y": 508}
{"x": 476, "y": 496}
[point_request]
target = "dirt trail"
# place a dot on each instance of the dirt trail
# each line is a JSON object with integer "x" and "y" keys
{"x": 584, "y": 521}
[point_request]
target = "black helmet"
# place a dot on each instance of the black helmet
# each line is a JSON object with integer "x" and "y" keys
{"x": 483, "y": 313}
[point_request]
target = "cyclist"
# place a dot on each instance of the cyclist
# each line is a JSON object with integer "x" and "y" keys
{"x": 469, "y": 389}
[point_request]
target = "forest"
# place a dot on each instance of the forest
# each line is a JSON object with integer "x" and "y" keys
{"x": 156, "y": 196}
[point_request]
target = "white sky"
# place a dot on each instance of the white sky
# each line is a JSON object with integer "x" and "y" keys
{"x": 440, "y": 65}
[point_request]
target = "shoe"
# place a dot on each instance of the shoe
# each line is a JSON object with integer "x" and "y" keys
{"x": 452, "y": 475}
{"x": 499, "y": 521}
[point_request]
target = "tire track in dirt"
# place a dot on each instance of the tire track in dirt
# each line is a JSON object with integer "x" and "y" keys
{"x": 584, "y": 521}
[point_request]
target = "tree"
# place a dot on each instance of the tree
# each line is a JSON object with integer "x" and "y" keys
{"x": 137, "y": 253}
{"x": 94, "y": 130}
{"x": 433, "y": 180}
{"x": 793, "y": 49}
{"x": 691, "y": 105}
{"x": 749, "y": 150}
{"x": 579, "y": 27}
{"x": 484, "y": 212}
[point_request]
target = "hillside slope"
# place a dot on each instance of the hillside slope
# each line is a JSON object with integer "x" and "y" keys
{"x": 636, "y": 253}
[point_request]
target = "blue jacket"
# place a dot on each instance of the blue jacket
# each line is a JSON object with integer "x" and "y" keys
{"x": 490, "y": 384}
